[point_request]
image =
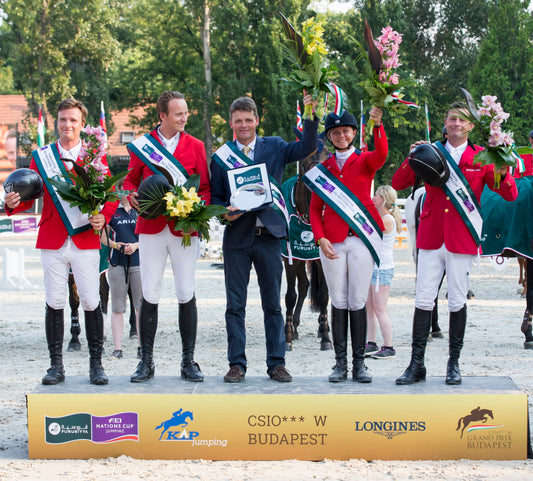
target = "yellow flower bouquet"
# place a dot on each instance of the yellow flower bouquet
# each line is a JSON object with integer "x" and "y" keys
{"x": 182, "y": 205}
{"x": 307, "y": 53}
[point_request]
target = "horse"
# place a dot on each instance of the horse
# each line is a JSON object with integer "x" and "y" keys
{"x": 298, "y": 198}
{"x": 178, "y": 418}
{"x": 475, "y": 415}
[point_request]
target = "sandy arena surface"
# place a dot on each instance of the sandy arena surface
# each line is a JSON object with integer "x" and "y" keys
{"x": 493, "y": 347}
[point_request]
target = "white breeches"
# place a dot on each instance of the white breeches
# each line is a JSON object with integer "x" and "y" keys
{"x": 85, "y": 265}
{"x": 153, "y": 252}
{"x": 348, "y": 277}
{"x": 431, "y": 267}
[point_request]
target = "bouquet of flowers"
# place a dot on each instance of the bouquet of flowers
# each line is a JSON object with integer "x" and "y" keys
{"x": 382, "y": 83}
{"x": 306, "y": 51}
{"x": 184, "y": 207}
{"x": 499, "y": 145}
{"x": 88, "y": 185}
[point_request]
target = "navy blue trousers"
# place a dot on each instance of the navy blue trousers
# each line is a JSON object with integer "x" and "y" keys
{"x": 265, "y": 255}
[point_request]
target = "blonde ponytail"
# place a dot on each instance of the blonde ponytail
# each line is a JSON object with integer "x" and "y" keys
{"x": 390, "y": 197}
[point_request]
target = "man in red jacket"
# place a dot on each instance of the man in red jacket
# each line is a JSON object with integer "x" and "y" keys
{"x": 68, "y": 241}
{"x": 169, "y": 146}
{"x": 445, "y": 241}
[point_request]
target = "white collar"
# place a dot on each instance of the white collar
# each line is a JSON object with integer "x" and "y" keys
{"x": 251, "y": 144}
{"x": 169, "y": 144}
{"x": 345, "y": 154}
{"x": 71, "y": 154}
{"x": 456, "y": 152}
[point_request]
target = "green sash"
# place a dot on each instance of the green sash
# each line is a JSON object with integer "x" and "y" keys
{"x": 51, "y": 166}
{"x": 348, "y": 206}
{"x": 151, "y": 152}
{"x": 301, "y": 239}
{"x": 462, "y": 197}
{"x": 230, "y": 157}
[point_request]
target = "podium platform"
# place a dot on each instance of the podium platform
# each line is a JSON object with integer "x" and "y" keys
{"x": 259, "y": 419}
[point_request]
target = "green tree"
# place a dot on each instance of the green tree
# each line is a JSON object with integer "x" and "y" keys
{"x": 61, "y": 48}
{"x": 504, "y": 67}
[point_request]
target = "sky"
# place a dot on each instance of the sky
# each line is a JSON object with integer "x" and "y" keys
{"x": 323, "y": 6}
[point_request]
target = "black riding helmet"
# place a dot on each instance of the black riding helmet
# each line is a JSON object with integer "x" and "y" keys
{"x": 26, "y": 182}
{"x": 429, "y": 164}
{"x": 333, "y": 120}
{"x": 150, "y": 196}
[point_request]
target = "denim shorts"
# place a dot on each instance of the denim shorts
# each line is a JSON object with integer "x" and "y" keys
{"x": 385, "y": 276}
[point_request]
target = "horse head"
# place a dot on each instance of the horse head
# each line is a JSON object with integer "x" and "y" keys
{"x": 302, "y": 193}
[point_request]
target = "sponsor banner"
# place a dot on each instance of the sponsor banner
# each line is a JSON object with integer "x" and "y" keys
{"x": 24, "y": 225}
{"x": 98, "y": 429}
{"x": 19, "y": 224}
{"x": 6, "y": 225}
{"x": 276, "y": 427}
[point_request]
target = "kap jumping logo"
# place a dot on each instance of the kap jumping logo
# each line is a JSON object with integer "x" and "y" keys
{"x": 179, "y": 420}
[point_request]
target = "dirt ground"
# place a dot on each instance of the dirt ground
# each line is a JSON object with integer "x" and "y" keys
{"x": 493, "y": 347}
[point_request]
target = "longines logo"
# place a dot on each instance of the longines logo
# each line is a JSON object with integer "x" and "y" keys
{"x": 390, "y": 429}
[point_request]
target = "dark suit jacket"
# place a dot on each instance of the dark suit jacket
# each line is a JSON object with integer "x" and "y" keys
{"x": 276, "y": 154}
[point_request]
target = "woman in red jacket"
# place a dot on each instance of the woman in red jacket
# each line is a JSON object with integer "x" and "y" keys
{"x": 348, "y": 229}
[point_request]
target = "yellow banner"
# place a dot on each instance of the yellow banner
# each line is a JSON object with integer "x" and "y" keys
{"x": 276, "y": 427}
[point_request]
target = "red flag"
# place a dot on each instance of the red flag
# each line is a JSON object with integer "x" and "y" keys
{"x": 299, "y": 123}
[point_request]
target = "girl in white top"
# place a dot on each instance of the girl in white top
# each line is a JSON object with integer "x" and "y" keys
{"x": 378, "y": 296}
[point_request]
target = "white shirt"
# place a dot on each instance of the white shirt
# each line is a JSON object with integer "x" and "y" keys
{"x": 169, "y": 144}
{"x": 251, "y": 145}
{"x": 71, "y": 154}
{"x": 456, "y": 152}
{"x": 342, "y": 157}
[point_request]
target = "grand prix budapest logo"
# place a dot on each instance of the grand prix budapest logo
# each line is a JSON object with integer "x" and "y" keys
{"x": 476, "y": 415}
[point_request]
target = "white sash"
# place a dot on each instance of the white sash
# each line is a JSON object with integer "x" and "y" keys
{"x": 51, "y": 166}
{"x": 462, "y": 196}
{"x": 230, "y": 157}
{"x": 346, "y": 205}
{"x": 151, "y": 152}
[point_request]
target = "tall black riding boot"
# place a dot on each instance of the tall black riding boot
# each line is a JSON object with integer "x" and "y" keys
{"x": 457, "y": 334}
{"x": 148, "y": 327}
{"x": 416, "y": 370}
{"x": 339, "y": 330}
{"x": 54, "y": 327}
{"x": 94, "y": 330}
{"x": 358, "y": 333}
{"x": 188, "y": 325}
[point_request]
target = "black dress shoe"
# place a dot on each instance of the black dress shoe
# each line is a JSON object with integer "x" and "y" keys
{"x": 280, "y": 374}
{"x": 235, "y": 374}
{"x": 144, "y": 372}
{"x": 54, "y": 375}
{"x": 191, "y": 372}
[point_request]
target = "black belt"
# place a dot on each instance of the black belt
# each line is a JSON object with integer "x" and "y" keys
{"x": 263, "y": 231}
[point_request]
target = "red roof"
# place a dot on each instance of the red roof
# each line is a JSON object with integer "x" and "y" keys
{"x": 13, "y": 107}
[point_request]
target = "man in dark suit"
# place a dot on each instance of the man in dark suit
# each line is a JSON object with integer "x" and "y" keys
{"x": 254, "y": 238}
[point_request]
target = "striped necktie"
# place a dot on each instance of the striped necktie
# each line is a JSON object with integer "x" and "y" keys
{"x": 246, "y": 150}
